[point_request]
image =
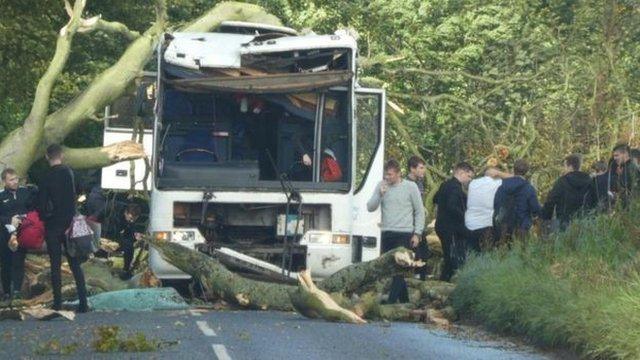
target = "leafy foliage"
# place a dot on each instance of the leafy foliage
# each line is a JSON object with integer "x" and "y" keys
{"x": 543, "y": 78}
{"x": 579, "y": 288}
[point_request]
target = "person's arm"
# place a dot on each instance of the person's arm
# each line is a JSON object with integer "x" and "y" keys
{"x": 534, "y": 205}
{"x": 376, "y": 198}
{"x": 553, "y": 199}
{"x": 497, "y": 174}
{"x": 418, "y": 210}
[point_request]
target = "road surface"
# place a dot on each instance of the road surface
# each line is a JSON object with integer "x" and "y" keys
{"x": 239, "y": 335}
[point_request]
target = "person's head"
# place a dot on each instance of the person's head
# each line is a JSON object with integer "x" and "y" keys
{"x": 132, "y": 212}
{"x": 621, "y": 154}
{"x": 10, "y": 178}
{"x": 54, "y": 154}
{"x": 635, "y": 156}
{"x": 520, "y": 167}
{"x": 463, "y": 171}
{"x": 416, "y": 167}
{"x": 392, "y": 172}
{"x": 572, "y": 162}
{"x": 599, "y": 167}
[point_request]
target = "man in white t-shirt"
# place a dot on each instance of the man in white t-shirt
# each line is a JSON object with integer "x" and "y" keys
{"x": 478, "y": 217}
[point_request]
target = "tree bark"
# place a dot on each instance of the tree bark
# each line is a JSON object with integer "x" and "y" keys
{"x": 307, "y": 298}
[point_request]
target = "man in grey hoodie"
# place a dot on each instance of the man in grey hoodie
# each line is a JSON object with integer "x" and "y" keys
{"x": 402, "y": 219}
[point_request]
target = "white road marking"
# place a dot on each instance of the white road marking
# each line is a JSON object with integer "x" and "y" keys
{"x": 195, "y": 312}
{"x": 204, "y": 327}
{"x": 221, "y": 352}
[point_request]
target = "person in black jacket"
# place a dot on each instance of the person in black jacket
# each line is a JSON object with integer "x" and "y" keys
{"x": 57, "y": 206}
{"x": 623, "y": 175}
{"x": 600, "y": 195}
{"x": 570, "y": 195}
{"x": 129, "y": 232}
{"x": 451, "y": 202}
{"x": 15, "y": 202}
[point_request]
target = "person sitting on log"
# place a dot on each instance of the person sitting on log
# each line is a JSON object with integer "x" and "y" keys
{"x": 402, "y": 219}
{"x": 129, "y": 232}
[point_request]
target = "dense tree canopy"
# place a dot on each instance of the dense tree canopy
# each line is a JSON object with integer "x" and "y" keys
{"x": 466, "y": 78}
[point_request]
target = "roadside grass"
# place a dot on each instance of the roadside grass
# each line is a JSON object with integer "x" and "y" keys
{"x": 579, "y": 288}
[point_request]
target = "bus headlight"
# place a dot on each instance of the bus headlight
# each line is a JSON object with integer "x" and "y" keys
{"x": 162, "y": 235}
{"x": 184, "y": 235}
{"x": 341, "y": 239}
{"x": 320, "y": 238}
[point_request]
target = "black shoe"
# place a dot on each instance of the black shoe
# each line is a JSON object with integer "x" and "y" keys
{"x": 56, "y": 306}
{"x": 83, "y": 309}
{"x": 126, "y": 275}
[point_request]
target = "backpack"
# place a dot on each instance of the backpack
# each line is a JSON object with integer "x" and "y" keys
{"x": 31, "y": 232}
{"x": 504, "y": 218}
{"x": 80, "y": 240}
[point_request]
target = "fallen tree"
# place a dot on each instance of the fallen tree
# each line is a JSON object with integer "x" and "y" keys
{"x": 349, "y": 295}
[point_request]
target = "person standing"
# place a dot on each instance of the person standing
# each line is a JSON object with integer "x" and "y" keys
{"x": 15, "y": 202}
{"x": 624, "y": 175}
{"x": 600, "y": 195}
{"x": 570, "y": 194}
{"x": 402, "y": 219}
{"x": 129, "y": 232}
{"x": 57, "y": 204}
{"x": 478, "y": 217}
{"x": 515, "y": 205}
{"x": 417, "y": 169}
{"x": 451, "y": 202}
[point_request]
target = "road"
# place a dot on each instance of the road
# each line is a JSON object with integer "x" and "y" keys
{"x": 238, "y": 335}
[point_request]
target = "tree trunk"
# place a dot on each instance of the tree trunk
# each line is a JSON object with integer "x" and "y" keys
{"x": 307, "y": 298}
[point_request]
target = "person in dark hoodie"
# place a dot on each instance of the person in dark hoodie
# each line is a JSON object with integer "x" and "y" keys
{"x": 570, "y": 195}
{"x": 515, "y": 205}
{"x": 451, "y": 202}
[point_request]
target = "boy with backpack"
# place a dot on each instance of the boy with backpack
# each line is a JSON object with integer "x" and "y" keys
{"x": 515, "y": 205}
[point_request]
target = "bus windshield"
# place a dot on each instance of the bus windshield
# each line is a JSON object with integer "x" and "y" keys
{"x": 237, "y": 140}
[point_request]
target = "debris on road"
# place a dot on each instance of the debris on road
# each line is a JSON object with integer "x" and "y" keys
{"x": 138, "y": 300}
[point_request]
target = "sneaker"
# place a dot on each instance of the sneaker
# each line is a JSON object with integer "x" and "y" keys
{"x": 126, "y": 275}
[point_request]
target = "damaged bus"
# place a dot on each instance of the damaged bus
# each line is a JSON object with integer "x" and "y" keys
{"x": 265, "y": 150}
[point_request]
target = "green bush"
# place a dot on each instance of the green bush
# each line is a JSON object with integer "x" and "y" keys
{"x": 579, "y": 288}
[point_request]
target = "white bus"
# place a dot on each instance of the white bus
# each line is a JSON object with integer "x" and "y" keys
{"x": 264, "y": 150}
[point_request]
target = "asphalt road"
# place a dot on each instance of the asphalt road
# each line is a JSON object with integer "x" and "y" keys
{"x": 236, "y": 335}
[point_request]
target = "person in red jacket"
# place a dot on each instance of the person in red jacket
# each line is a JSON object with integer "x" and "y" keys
{"x": 330, "y": 169}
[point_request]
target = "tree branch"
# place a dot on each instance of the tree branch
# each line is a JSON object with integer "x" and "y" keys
{"x": 96, "y": 23}
{"x": 32, "y": 131}
{"x": 231, "y": 10}
{"x": 98, "y": 157}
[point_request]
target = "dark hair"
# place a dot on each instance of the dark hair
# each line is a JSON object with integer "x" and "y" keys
{"x": 622, "y": 148}
{"x": 574, "y": 161}
{"x": 599, "y": 166}
{"x": 392, "y": 164}
{"x": 7, "y": 171}
{"x": 414, "y": 161}
{"x": 521, "y": 167}
{"x": 635, "y": 153}
{"x": 54, "y": 151}
{"x": 464, "y": 166}
{"x": 134, "y": 209}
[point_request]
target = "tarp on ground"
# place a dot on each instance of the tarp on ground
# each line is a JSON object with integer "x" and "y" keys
{"x": 138, "y": 300}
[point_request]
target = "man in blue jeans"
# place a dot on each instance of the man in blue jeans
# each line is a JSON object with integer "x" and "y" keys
{"x": 402, "y": 219}
{"x": 57, "y": 206}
